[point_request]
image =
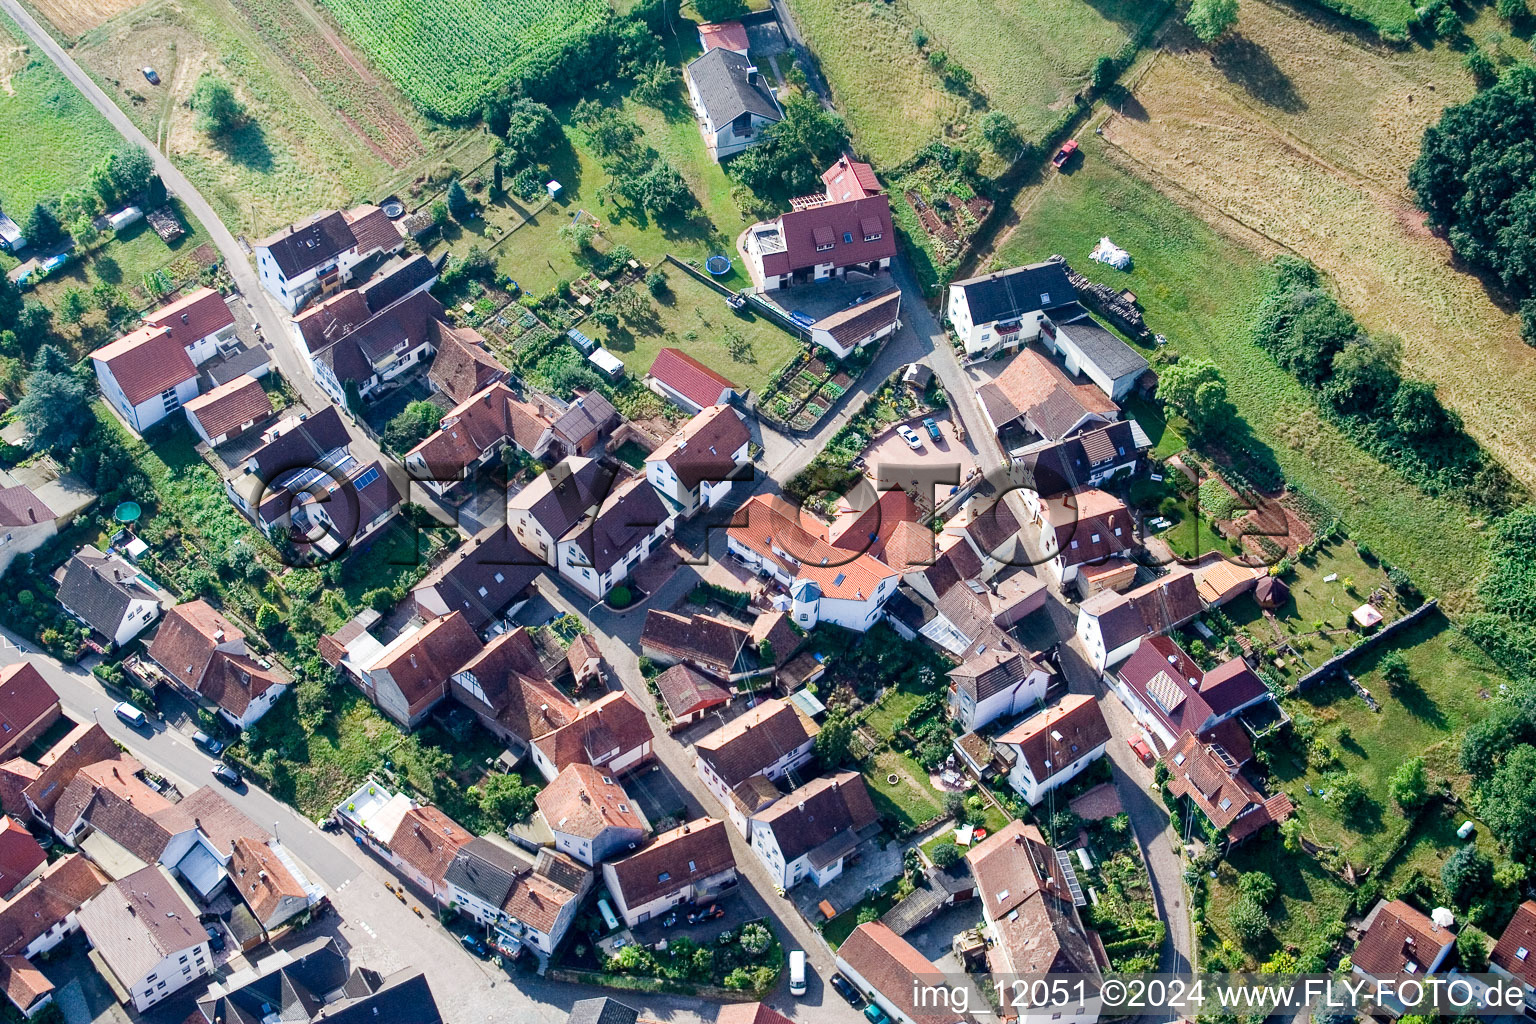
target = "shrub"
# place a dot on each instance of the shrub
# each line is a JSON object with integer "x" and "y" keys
{"x": 1480, "y": 66}
{"x": 218, "y": 110}
{"x": 1250, "y": 921}
{"x": 1210, "y": 19}
{"x": 755, "y": 939}
{"x": 945, "y": 855}
{"x": 1104, "y": 71}
{"x": 868, "y": 915}
{"x": 1257, "y": 885}
{"x": 1467, "y": 874}
{"x": 1409, "y": 786}
{"x": 621, "y": 596}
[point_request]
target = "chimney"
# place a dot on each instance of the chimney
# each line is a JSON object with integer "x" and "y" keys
{"x": 184, "y": 318}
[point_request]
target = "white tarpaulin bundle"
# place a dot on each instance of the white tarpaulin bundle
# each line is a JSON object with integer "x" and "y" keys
{"x": 1110, "y": 253}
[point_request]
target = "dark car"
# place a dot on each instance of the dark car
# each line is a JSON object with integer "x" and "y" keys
{"x": 227, "y": 775}
{"x": 708, "y": 913}
{"x": 847, "y": 991}
{"x": 933, "y": 428}
{"x": 474, "y": 945}
{"x": 208, "y": 743}
{"x": 215, "y": 938}
{"x": 151, "y": 76}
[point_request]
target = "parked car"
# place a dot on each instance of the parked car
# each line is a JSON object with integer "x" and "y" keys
{"x": 151, "y": 76}
{"x": 132, "y": 715}
{"x": 932, "y": 426}
{"x": 797, "y": 972}
{"x": 875, "y": 1015}
{"x": 847, "y": 991}
{"x": 227, "y": 775}
{"x": 1064, "y": 154}
{"x": 215, "y": 938}
{"x": 709, "y": 913}
{"x": 475, "y": 946}
{"x": 208, "y": 743}
{"x": 910, "y": 436}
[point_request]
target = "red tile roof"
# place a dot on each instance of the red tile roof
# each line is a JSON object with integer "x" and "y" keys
{"x": 612, "y": 725}
{"x": 63, "y": 889}
{"x": 584, "y": 802}
{"x": 689, "y": 377}
{"x": 261, "y": 878}
{"x": 188, "y": 636}
{"x": 463, "y": 365}
{"x": 747, "y": 745}
{"x": 230, "y": 406}
{"x": 844, "y": 226}
{"x": 703, "y": 448}
{"x": 730, "y": 35}
{"x": 1515, "y": 951}
{"x": 25, "y": 696}
{"x": 1057, "y": 737}
{"x": 19, "y": 855}
{"x": 850, "y": 179}
{"x": 146, "y": 363}
{"x": 422, "y": 666}
{"x": 894, "y": 968}
{"x": 1395, "y": 936}
{"x": 372, "y": 229}
{"x": 685, "y": 691}
{"x": 427, "y": 840}
{"x": 686, "y": 855}
{"x": 194, "y": 317}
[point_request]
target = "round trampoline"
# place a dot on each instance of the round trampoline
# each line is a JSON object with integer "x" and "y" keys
{"x": 394, "y": 209}
{"x": 718, "y": 264}
{"x": 128, "y": 512}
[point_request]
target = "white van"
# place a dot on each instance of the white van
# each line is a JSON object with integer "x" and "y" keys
{"x": 797, "y": 972}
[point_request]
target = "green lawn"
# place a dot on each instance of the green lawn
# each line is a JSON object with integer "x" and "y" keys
{"x": 1192, "y": 537}
{"x": 912, "y": 801}
{"x": 1310, "y": 900}
{"x": 994, "y": 820}
{"x": 837, "y": 930}
{"x": 1166, "y": 438}
{"x": 1200, "y": 289}
{"x": 1451, "y": 684}
{"x": 891, "y": 710}
{"x": 49, "y": 132}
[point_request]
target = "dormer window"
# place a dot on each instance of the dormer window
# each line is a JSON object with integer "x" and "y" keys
{"x": 824, "y": 248}
{"x": 874, "y": 237}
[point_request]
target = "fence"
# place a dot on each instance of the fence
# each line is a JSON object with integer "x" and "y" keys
{"x": 1333, "y": 664}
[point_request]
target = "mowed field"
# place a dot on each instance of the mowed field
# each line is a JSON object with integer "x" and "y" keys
{"x": 1029, "y": 58}
{"x": 449, "y": 55}
{"x": 75, "y": 16}
{"x": 323, "y": 129}
{"x": 50, "y": 134}
{"x": 1305, "y": 137}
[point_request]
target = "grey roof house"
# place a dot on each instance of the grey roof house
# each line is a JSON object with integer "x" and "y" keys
{"x": 108, "y": 594}
{"x": 733, "y": 101}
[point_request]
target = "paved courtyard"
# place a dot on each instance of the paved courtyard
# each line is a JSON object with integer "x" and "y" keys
{"x": 890, "y": 462}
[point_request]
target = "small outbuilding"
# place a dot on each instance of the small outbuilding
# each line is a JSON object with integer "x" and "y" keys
{"x": 1271, "y": 592}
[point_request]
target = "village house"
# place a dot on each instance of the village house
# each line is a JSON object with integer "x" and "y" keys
{"x": 204, "y": 655}
{"x": 407, "y": 678}
{"x": 590, "y": 815}
{"x": 1397, "y": 940}
{"x": 611, "y": 733}
{"x": 1087, "y": 459}
{"x": 486, "y": 580}
{"x": 689, "y": 695}
{"x": 417, "y": 842}
{"x": 1088, "y": 349}
{"x": 991, "y": 530}
{"x": 109, "y": 595}
{"x": 26, "y": 522}
{"x": 1033, "y": 400}
{"x": 294, "y": 453}
{"x": 145, "y": 932}
{"x": 732, "y": 99}
{"x": 694, "y": 468}
{"x": 825, "y": 235}
{"x": 369, "y": 355}
{"x": 36, "y": 919}
{"x": 473, "y": 433}
{"x": 1003, "y": 310}
{"x": 1053, "y": 747}
{"x": 312, "y": 983}
{"x": 544, "y": 511}
{"x": 1030, "y": 898}
{"x": 229, "y": 410}
{"x": 1087, "y": 528}
{"x": 521, "y": 902}
{"x": 688, "y": 383}
{"x": 332, "y": 514}
{"x": 22, "y": 859}
{"x": 771, "y": 740}
{"x": 718, "y": 646}
{"x": 506, "y": 686}
{"x": 28, "y": 708}
{"x": 689, "y": 863}
{"x": 1511, "y": 955}
{"x": 40, "y": 786}
{"x": 995, "y": 683}
{"x": 728, "y": 35}
{"x": 151, "y": 372}
{"x": 270, "y": 882}
{"x": 1211, "y": 776}
{"x": 1112, "y": 625}
{"x": 326, "y": 322}
{"x": 970, "y": 617}
{"x": 826, "y": 583}
{"x": 863, "y": 323}
{"x": 810, "y": 832}
{"x": 318, "y": 255}
{"x": 891, "y": 973}
{"x": 463, "y": 366}
{"x": 613, "y": 536}
{"x": 1167, "y": 693}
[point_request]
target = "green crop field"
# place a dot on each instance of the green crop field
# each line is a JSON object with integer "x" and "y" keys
{"x": 448, "y": 55}
{"x": 49, "y": 133}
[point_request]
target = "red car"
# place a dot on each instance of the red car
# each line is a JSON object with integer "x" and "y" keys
{"x": 1064, "y": 154}
{"x": 1140, "y": 749}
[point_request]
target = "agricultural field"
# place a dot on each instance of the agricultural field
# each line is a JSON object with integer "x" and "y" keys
{"x": 304, "y": 145}
{"x": 449, "y": 55}
{"x": 1304, "y": 137}
{"x": 1200, "y": 288}
{"x": 49, "y": 132}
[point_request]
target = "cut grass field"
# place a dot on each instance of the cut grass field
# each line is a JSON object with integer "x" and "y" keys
{"x": 1200, "y": 288}
{"x": 307, "y": 145}
{"x": 912, "y": 801}
{"x": 1304, "y": 137}
{"x": 1451, "y": 685}
{"x": 49, "y": 132}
